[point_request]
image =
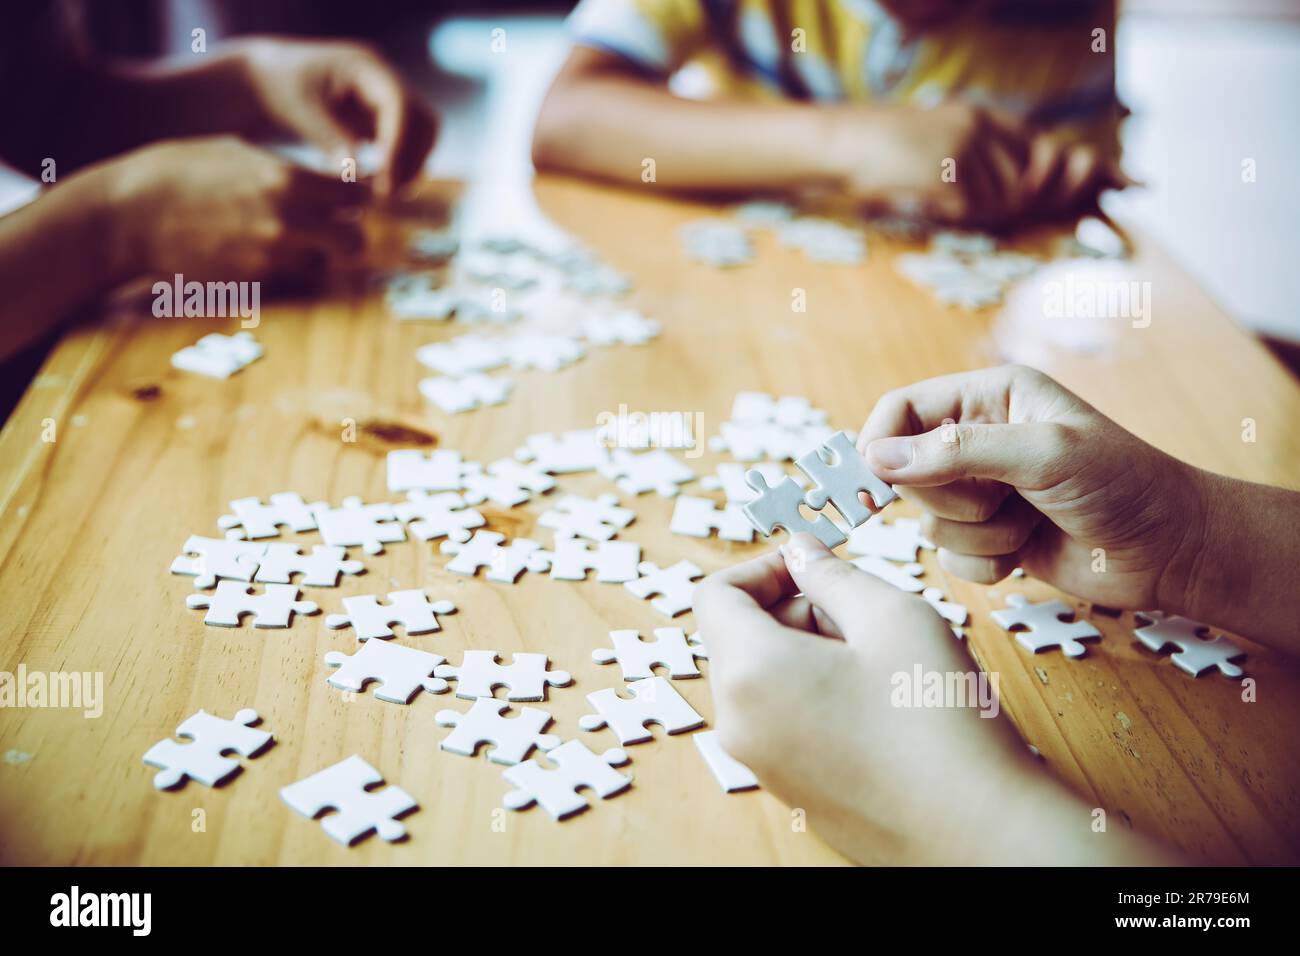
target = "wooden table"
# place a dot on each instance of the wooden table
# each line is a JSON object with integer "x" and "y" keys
{"x": 145, "y": 456}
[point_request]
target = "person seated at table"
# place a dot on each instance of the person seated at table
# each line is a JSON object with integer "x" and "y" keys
{"x": 1012, "y": 470}
{"x": 979, "y": 114}
{"x": 149, "y": 170}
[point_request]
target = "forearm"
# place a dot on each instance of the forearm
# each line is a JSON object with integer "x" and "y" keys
{"x": 56, "y": 255}
{"x": 107, "y": 109}
{"x": 1243, "y": 577}
{"x": 609, "y": 125}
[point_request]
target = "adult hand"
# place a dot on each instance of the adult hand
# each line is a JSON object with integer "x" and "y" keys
{"x": 336, "y": 95}
{"x": 1014, "y": 470}
{"x": 220, "y": 208}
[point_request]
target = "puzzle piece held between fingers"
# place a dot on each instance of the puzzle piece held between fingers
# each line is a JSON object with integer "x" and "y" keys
{"x": 320, "y": 569}
{"x": 778, "y": 507}
{"x": 208, "y": 559}
{"x": 654, "y": 701}
{"x": 839, "y": 474}
{"x": 233, "y": 599}
{"x": 730, "y": 479}
{"x": 252, "y": 519}
{"x": 343, "y": 788}
{"x": 671, "y": 649}
{"x": 697, "y": 517}
{"x": 1040, "y": 626}
{"x": 359, "y": 525}
{"x": 400, "y": 671}
{"x": 1197, "y": 652}
{"x": 555, "y": 791}
{"x": 484, "y": 550}
{"x": 409, "y": 608}
{"x": 511, "y": 737}
{"x": 525, "y": 679}
{"x": 675, "y": 586}
{"x": 203, "y": 760}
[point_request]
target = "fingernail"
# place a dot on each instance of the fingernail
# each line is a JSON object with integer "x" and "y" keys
{"x": 890, "y": 453}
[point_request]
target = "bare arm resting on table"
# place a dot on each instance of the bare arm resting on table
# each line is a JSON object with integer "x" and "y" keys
{"x": 603, "y": 117}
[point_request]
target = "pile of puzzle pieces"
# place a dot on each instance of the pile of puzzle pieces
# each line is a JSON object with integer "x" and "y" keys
{"x": 242, "y": 575}
{"x": 532, "y": 308}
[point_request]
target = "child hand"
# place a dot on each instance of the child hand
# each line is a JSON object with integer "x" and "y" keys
{"x": 806, "y": 657}
{"x": 1013, "y": 470}
{"x": 954, "y": 163}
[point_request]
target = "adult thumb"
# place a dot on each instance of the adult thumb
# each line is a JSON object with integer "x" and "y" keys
{"x": 843, "y": 592}
{"x": 1026, "y": 455}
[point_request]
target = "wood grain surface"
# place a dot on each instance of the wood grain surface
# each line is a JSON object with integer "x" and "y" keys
{"x": 145, "y": 456}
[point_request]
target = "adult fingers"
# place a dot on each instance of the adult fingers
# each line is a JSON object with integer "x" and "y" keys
{"x": 1003, "y": 533}
{"x": 848, "y": 596}
{"x": 404, "y": 126}
{"x": 981, "y": 570}
{"x": 1030, "y": 455}
{"x": 968, "y": 499}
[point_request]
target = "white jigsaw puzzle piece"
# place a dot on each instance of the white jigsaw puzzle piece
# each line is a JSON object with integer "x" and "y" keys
{"x": 217, "y": 355}
{"x": 204, "y": 760}
{"x": 615, "y": 562}
{"x": 670, "y": 649}
{"x": 566, "y": 453}
{"x": 358, "y": 810}
{"x": 1039, "y": 626}
{"x": 208, "y": 559}
{"x": 596, "y": 518}
{"x": 698, "y": 517}
{"x": 731, "y": 774}
{"x": 411, "y": 470}
{"x": 1197, "y": 652}
{"x": 506, "y": 483}
{"x": 252, "y": 519}
{"x": 838, "y": 474}
{"x": 484, "y": 550}
{"x": 654, "y": 701}
{"x": 900, "y": 540}
{"x": 409, "y": 608}
{"x": 902, "y": 576}
{"x": 654, "y": 470}
{"x": 730, "y": 480}
{"x": 955, "y": 614}
{"x": 233, "y": 599}
{"x": 442, "y": 515}
{"x": 675, "y": 586}
{"x": 399, "y": 671}
{"x": 777, "y": 506}
{"x": 359, "y": 525}
{"x": 320, "y": 569}
{"x": 463, "y": 355}
{"x": 464, "y": 393}
{"x": 525, "y": 678}
{"x": 555, "y": 791}
{"x": 511, "y": 737}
